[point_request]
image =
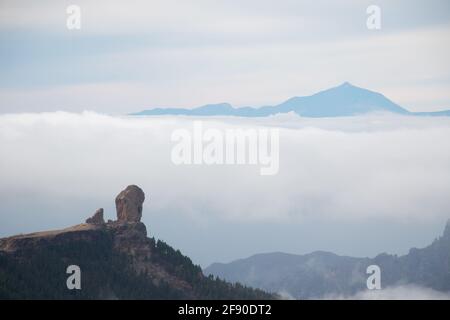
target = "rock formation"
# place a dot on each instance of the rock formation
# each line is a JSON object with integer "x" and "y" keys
{"x": 129, "y": 204}
{"x": 97, "y": 218}
{"x": 118, "y": 261}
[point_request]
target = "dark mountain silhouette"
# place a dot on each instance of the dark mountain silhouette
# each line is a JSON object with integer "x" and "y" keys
{"x": 344, "y": 100}
{"x": 319, "y": 274}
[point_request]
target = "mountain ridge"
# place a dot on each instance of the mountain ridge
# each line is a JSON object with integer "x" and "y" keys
{"x": 340, "y": 101}
{"x": 319, "y": 274}
{"x": 116, "y": 258}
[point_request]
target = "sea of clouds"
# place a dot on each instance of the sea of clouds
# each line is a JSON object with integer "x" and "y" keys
{"x": 347, "y": 168}
{"x": 57, "y": 168}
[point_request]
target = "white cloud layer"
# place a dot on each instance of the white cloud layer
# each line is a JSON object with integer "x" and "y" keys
{"x": 406, "y": 292}
{"x": 372, "y": 167}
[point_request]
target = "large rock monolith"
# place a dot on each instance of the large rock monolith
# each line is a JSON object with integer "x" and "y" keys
{"x": 129, "y": 204}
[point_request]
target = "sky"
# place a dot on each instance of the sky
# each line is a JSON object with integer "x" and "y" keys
{"x": 133, "y": 55}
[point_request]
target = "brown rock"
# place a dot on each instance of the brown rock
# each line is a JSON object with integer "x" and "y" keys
{"x": 129, "y": 204}
{"x": 97, "y": 218}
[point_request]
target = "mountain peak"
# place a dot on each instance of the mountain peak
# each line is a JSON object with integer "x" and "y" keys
{"x": 447, "y": 228}
{"x": 346, "y": 84}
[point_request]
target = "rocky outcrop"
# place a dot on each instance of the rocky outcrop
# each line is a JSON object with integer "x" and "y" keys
{"x": 117, "y": 258}
{"x": 127, "y": 236}
{"x": 97, "y": 218}
{"x": 129, "y": 204}
{"x": 131, "y": 239}
{"x": 130, "y": 234}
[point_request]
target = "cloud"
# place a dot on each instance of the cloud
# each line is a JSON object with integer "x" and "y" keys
{"x": 406, "y": 292}
{"x": 339, "y": 180}
{"x": 372, "y": 167}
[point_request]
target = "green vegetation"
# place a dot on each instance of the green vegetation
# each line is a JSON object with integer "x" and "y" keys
{"x": 40, "y": 273}
{"x": 204, "y": 287}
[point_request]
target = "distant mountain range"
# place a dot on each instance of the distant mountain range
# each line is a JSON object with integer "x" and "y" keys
{"x": 321, "y": 274}
{"x": 341, "y": 101}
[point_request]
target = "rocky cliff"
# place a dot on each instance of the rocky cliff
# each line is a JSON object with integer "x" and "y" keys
{"x": 116, "y": 258}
